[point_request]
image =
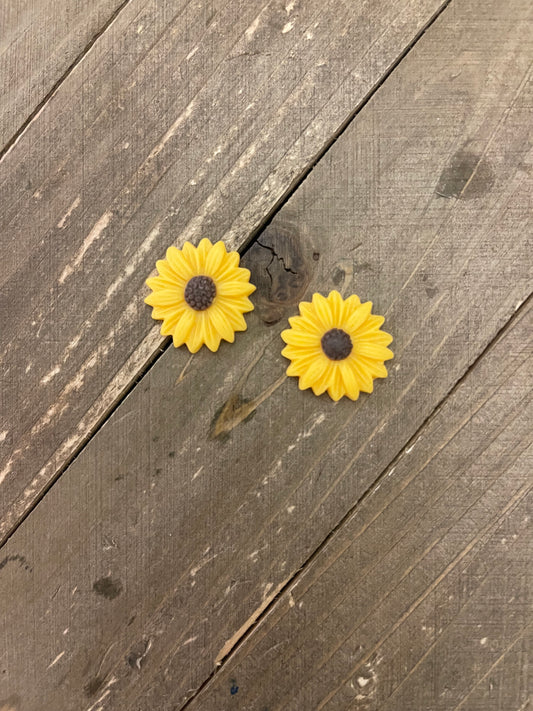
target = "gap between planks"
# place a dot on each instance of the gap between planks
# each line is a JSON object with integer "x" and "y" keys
{"x": 256, "y": 618}
{"x": 10, "y": 143}
{"x": 293, "y": 187}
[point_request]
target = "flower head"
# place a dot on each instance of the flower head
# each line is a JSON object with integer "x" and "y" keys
{"x": 201, "y": 294}
{"x": 336, "y": 345}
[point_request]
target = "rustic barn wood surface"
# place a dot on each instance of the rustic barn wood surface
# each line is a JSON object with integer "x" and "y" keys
{"x": 183, "y": 118}
{"x": 196, "y": 533}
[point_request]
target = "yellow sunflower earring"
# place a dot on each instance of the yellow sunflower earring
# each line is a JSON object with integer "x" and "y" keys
{"x": 201, "y": 294}
{"x": 337, "y": 345}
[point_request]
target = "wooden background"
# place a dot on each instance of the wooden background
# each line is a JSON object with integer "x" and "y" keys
{"x": 196, "y": 533}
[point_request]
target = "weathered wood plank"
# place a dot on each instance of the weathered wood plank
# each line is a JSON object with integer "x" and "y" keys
{"x": 183, "y": 121}
{"x": 39, "y": 41}
{"x": 176, "y": 540}
{"x": 421, "y": 599}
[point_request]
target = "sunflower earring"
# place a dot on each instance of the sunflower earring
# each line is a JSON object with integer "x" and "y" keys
{"x": 201, "y": 294}
{"x": 337, "y": 345}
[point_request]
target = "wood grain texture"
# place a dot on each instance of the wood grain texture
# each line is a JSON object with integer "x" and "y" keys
{"x": 422, "y": 598}
{"x": 39, "y": 41}
{"x": 184, "y": 120}
{"x": 170, "y": 534}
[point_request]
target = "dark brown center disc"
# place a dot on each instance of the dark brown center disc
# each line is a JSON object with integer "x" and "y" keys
{"x": 200, "y": 292}
{"x": 336, "y": 344}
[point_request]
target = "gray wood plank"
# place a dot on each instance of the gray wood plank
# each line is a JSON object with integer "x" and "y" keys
{"x": 39, "y": 41}
{"x": 182, "y": 519}
{"x": 421, "y": 599}
{"x": 184, "y": 120}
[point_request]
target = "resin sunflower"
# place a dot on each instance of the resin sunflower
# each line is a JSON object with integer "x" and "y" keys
{"x": 201, "y": 294}
{"x": 336, "y": 345}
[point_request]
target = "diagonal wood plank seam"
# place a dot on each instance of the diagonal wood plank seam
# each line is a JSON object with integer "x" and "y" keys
{"x": 256, "y": 619}
{"x": 154, "y": 356}
{"x": 81, "y": 56}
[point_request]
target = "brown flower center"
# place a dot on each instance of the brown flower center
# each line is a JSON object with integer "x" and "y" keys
{"x": 336, "y": 344}
{"x": 200, "y": 292}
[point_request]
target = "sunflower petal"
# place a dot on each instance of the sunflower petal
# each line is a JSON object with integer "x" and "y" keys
{"x": 349, "y": 378}
{"x": 236, "y": 303}
{"x": 234, "y": 288}
{"x": 170, "y": 322}
{"x": 215, "y": 259}
{"x": 158, "y": 283}
{"x": 165, "y": 297}
{"x": 301, "y": 338}
{"x": 195, "y": 340}
{"x": 363, "y": 375}
{"x": 380, "y": 338}
{"x": 212, "y": 337}
{"x": 359, "y": 316}
{"x": 167, "y": 274}
{"x": 183, "y": 327}
{"x": 221, "y": 323}
{"x": 373, "y": 350}
{"x": 336, "y": 388}
{"x": 377, "y": 370}
{"x": 308, "y": 315}
{"x": 323, "y": 311}
{"x": 336, "y": 305}
{"x": 229, "y": 265}
{"x": 190, "y": 256}
{"x": 164, "y": 312}
{"x": 178, "y": 263}
{"x": 293, "y": 369}
{"x": 235, "y": 318}
{"x": 203, "y": 250}
{"x": 306, "y": 323}
{"x": 313, "y": 373}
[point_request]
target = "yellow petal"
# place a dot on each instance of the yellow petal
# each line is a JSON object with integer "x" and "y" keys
{"x": 195, "y": 340}
{"x": 336, "y": 388}
{"x": 336, "y": 305}
{"x": 306, "y": 322}
{"x": 165, "y": 297}
{"x": 160, "y": 283}
{"x": 293, "y": 370}
{"x": 229, "y": 264}
{"x": 222, "y": 324}
{"x": 300, "y": 338}
{"x": 313, "y": 373}
{"x": 350, "y": 379}
{"x": 359, "y": 316}
{"x": 380, "y": 338}
{"x": 323, "y": 311}
{"x": 295, "y": 353}
{"x": 203, "y": 250}
{"x": 178, "y": 263}
{"x": 170, "y": 322}
{"x": 184, "y": 327}
{"x": 234, "y": 288}
{"x": 167, "y": 274}
{"x": 373, "y": 350}
{"x": 162, "y": 312}
{"x": 211, "y": 335}
{"x": 370, "y": 325}
{"x": 376, "y": 369}
{"x": 190, "y": 255}
{"x": 237, "y": 303}
{"x": 323, "y": 383}
{"x": 308, "y": 314}
{"x": 235, "y": 318}
{"x": 215, "y": 259}
{"x": 363, "y": 375}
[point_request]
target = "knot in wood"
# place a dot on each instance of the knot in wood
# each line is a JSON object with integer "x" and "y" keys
{"x": 200, "y": 292}
{"x": 336, "y": 344}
